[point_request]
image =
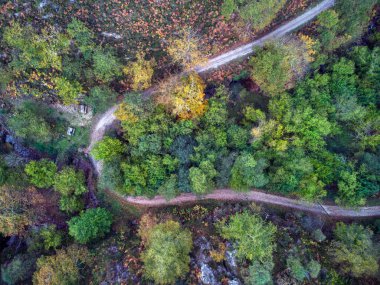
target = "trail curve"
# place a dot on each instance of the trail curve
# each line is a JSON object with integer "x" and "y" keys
{"x": 106, "y": 119}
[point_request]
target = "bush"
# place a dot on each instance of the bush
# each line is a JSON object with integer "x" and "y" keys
{"x": 90, "y": 225}
{"x": 41, "y": 173}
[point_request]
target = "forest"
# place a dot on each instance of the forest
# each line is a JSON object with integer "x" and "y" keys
{"x": 297, "y": 118}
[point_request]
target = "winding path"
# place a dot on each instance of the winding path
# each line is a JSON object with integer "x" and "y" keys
{"x": 108, "y": 118}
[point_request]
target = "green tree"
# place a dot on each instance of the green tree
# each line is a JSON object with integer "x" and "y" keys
{"x": 71, "y": 204}
{"x": 90, "y": 225}
{"x": 63, "y": 268}
{"x": 41, "y": 173}
{"x": 260, "y": 273}
{"x": 83, "y": 37}
{"x": 52, "y": 238}
{"x": 28, "y": 123}
{"x": 247, "y": 172}
{"x": 253, "y": 236}
{"x": 297, "y": 270}
{"x": 106, "y": 66}
{"x": 355, "y": 15}
{"x": 68, "y": 91}
{"x": 166, "y": 257}
{"x": 354, "y": 251}
{"x": 101, "y": 98}
{"x": 70, "y": 182}
{"x": 275, "y": 66}
{"x": 348, "y": 190}
{"x": 259, "y": 13}
{"x": 18, "y": 270}
{"x": 201, "y": 178}
{"x": 108, "y": 149}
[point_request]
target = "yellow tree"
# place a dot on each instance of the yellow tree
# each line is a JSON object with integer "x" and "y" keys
{"x": 185, "y": 50}
{"x": 184, "y": 96}
{"x": 140, "y": 72}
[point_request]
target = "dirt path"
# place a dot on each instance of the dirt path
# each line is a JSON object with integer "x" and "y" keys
{"x": 278, "y": 33}
{"x": 226, "y": 194}
{"x": 229, "y": 195}
{"x": 108, "y": 117}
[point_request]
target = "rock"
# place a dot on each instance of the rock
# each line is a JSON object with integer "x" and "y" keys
{"x": 202, "y": 249}
{"x": 230, "y": 259}
{"x": 207, "y": 275}
{"x": 234, "y": 282}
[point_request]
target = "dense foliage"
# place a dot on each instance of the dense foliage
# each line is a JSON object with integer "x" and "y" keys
{"x": 167, "y": 253}
{"x": 90, "y": 225}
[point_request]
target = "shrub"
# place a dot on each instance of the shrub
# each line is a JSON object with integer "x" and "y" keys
{"x": 90, "y": 225}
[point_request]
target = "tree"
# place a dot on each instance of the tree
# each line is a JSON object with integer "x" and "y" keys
{"x": 201, "y": 178}
{"x": 247, "y": 172}
{"x": 90, "y": 225}
{"x": 254, "y": 237}
{"x": 354, "y": 15}
{"x": 108, "y": 149}
{"x": 15, "y": 210}
{"x": 83, "y": 37}
{"x": 260, "y": 273}
{"x": 140, "y": 72}
{"x": 166, "y": 257}
{"x": 353, "y": 250}
{"x": 28, "y": 123}
{"x": 296, "y": 268}
{"x": 41, "y": 173}
{"x": 101, "y": 98}
{"x": 275, "y": 66}
{"x": 70, "y": 182}
{"x": 51, "y": 237}
{"x": 63, "y": 268}
{"x": 68, "y": 91}
{"x": 184, "y": 96}
{"x": 18, "y": 270}
{"x": 71, "y": 204}
{"x": 348, "y": 190}
{"x": 106, "y": 66}
{"x": 259, "y": 13}
{"x": 35, "y": 51}
{"x": 185, "y": 51}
